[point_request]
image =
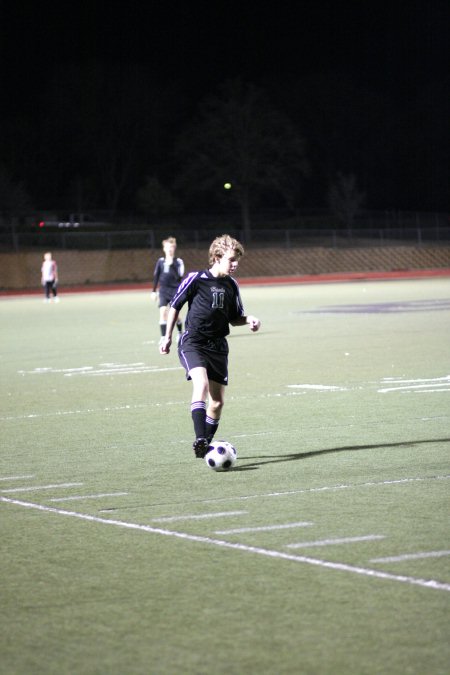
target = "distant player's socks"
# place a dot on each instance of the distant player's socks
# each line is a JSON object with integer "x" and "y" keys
{"x": 198, "y": 414}
{"x": 180, "y": 326}
{"x": 211, "y": 427}
{"x": 162, "y": 327}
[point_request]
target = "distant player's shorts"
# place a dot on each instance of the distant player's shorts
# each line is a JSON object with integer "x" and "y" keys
{"x": 165, "y": 296}
{"x": 192, "y": 355}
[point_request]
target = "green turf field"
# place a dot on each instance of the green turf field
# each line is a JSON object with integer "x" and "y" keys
{"x": 325, "y": 551}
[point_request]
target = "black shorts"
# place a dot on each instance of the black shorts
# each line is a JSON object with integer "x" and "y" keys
{"x": 165, "y": 296}
{"x": 213, "y": 356}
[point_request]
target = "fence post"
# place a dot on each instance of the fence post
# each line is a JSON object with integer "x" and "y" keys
{"x": 436, "y": 218}
{"x": 419, "y": 235}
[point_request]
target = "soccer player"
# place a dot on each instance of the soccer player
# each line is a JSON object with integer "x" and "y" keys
{"x": 168, "y": 273}
{"x": 49, "y": 277}
{"x": 214, "y": 302}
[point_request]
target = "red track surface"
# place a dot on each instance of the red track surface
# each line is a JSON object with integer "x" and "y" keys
{"x": 256, "y": 281}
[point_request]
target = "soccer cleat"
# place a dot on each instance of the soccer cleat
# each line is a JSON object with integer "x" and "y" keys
{"x": 201, "y": 447}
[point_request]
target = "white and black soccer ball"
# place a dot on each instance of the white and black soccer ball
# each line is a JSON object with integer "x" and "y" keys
{"x": 221, "y": 456}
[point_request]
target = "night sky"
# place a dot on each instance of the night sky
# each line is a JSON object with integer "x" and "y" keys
{"x": 396, "y": 50}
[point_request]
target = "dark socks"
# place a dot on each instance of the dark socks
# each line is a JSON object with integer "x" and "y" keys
{"x": 198, "y": 413}
{"x": 211, "y": 427}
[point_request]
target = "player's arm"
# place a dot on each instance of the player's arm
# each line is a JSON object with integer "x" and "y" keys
{"x": 180, "y": 268}
{"x": 156, "y": 275}
{"x": 250, "y": 320}
{"x": 171, "y": 322}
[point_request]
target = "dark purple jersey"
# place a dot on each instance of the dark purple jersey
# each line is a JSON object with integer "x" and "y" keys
{"x": 213, "y": 303}
{"x": 168, "y": 276}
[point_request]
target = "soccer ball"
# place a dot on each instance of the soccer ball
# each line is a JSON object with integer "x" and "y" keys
{"x": 221, "y": 456}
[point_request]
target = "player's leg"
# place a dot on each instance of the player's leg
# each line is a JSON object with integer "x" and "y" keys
{"x": 163, "y": 311}
{"x": 198, "y": 400}
{"x": 215, "y": 406}
{"x": 199, "y": 379}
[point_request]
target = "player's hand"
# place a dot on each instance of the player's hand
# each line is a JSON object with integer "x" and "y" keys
{"x": 254, "y": 323}
{"x": 154, "y": 296}
{"x": 164, "y": 347}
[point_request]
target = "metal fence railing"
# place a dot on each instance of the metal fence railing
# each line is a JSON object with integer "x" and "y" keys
{"x": 198, "y": 238}
{"x": 279, "y": 228}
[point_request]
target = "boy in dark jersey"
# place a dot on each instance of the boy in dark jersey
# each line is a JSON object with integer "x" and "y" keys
{"x": 168, "y": 273}
{"x": 214, "y": 302}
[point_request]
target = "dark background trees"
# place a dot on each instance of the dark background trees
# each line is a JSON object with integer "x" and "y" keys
{"x": 98, "y": 101}
{"x": 240, "y": 140}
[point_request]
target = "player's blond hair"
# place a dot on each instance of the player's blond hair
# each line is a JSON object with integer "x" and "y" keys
{"x": 221, "y": 245}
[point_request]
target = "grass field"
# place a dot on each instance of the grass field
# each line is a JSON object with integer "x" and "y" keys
{"x": 325, "y": 551}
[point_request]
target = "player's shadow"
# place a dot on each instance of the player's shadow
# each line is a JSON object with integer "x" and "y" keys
{"x": 292, "y": 457}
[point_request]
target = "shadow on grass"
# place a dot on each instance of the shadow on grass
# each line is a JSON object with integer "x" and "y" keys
{"x": 275, "y": 459}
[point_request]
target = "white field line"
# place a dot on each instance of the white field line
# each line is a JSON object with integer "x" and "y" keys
{"x": 62, "y": 413}
{"x": 431, "y": 391}
{"x": 262, "y": 495}
{"x": 35, "y": 488}
{"x": 78, "y": 497}
{"x": 411, "y": 556}
{"x": 107, "y": 369}
{"x": 263, "y": 528}
{"x": 393, "y": 380}
{"x": 125, "y": 371}
{"x": 342, "y": 567}
{"x": 317, "y": 387}
{"x": 414, "y": 387}
{"x": 5, "y": 478}
{"x": 202, "y": 516}
{"x": 89, "y": 370}
{"x": 327, "y": 488}
{"x": 334, "y": 542}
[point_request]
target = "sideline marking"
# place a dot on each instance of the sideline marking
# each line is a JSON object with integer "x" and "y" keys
{"x": 16, "y": 477}
{"x": 263, "y": 528}
{"x": 171, "y": 519}
{"x": 104, "y": 494}
{"x": 41, "y": 487}
{"x": 101, "y": 369}
{"x": 325, "y": 488}
{"x": 342, "y": 567}
{"x": 333, "y": 542}
{"x": 411, "y": 556}
{"x": 61, "y": 413}
{"x": 317, "y": 387}
{"x": 296, "y": 390}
